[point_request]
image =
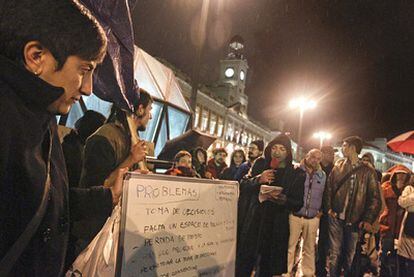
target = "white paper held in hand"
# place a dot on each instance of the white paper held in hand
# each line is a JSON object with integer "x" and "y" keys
{"x": 266, "y": 192}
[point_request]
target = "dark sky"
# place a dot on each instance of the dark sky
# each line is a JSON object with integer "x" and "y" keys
{"x": 355, "y": 57}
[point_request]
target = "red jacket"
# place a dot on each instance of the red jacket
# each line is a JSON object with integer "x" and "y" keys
{"x": 214, "y": 169}
{"x": 391, "y": 218}
{"x": 181, "y": 171}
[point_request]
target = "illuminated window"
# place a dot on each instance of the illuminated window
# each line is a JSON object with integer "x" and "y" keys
{"x": 177, "y": 122}
{"x": 220, "y": 125}
{"x": 213, "y": 123}
{"x": 236, "y": 137}
{"x": 244, "y": 138}
{"x": 204, "y": 120}
{"x": 229, "y": 132}
{"x": 197, "y": 116}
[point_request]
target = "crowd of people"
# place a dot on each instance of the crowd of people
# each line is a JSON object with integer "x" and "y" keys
{"x": 332, "y": 218}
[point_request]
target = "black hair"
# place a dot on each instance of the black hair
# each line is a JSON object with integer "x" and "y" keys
{"x": 117, "y": 114}
{"x": 240, "y": 151}
{"x": 203, "y": 151}
{"x": 181, "y": 154}
{"x": 144, "y": 99}
{"x": 219, "y": 150}
{"x": 89, "y": 123}
{"x": 65, "y": 27}
{"x": 355, "y": 141}
{"x": 259, "y": 143}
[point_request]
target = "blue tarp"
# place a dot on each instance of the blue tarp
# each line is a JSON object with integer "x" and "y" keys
{"x": 114, "y": 78}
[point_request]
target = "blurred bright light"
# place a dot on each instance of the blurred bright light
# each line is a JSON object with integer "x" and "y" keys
{"x": 322, "y": 135}
{"x": 302, "y": 103}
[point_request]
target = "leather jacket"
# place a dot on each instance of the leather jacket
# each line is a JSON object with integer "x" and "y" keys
{"x": 364, "y": 203}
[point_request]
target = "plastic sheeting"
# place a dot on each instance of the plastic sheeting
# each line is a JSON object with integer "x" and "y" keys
{"x": 158, "y": 79}
{"x": 114, "y": 78}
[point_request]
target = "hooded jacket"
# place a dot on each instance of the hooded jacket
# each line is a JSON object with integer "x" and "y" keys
{"x": 393, "y": 214}
{"x": 365, "y": 201}
{"x": 264, "y": 227}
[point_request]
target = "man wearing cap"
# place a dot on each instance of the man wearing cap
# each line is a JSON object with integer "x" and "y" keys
{"x": 255, "y": 151}
{"x": 352, "y": 201}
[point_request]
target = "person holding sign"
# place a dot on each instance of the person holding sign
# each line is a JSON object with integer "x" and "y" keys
{"x": 274, "y": 189}
{"x": 111, "y": 147}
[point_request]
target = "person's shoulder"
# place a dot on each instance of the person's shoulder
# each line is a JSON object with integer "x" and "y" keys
{"x": 109, "y": 132}
{"x": 259, "y": 161}
{"x": 71, "y": 138}
{"x": 321, "y": 174}
{"x": 108, "y": 129}
{"x": 244, "y": 165}
{"x": 298, "y": 170}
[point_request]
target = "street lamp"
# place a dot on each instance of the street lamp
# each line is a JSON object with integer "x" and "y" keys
{"x": 302, "y": 104}
{"x": 321, "y": 135}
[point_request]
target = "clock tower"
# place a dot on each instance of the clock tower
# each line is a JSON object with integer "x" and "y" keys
{"x": 233, "y": 73}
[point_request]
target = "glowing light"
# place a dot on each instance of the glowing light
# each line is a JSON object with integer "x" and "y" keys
{"x": 322, "y": 136}
{"x": 302, "y": 103}
{"x": 229, "y": 72}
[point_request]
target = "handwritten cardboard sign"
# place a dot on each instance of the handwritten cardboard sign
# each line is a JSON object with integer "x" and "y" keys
{"x": 175, "y": 226}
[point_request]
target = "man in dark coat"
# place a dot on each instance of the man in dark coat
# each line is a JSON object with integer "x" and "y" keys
{"x": 352, "y": 201}
{"x": 48, "y": 51}
{"x": 111, "y": 145}
{"x": 263, "y": 227}
{"x": 327, "y": 163}
{"x": 74, "y": 143}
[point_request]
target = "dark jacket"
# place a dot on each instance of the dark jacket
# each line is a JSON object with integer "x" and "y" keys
{"x": 242, "y": 170}
{"x": 263, "y": 228}
{"x": 365, "y": 202}
{"x": 23, "y": 145}
{"x": 229, "y": 173}
{"x": 105, "y": 150}
{"x": 72, "y": 146}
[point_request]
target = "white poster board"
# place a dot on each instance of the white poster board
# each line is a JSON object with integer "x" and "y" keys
{"x": 175, "y": 226}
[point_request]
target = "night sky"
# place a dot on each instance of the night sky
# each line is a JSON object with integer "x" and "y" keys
{"x": 355, "y": 57}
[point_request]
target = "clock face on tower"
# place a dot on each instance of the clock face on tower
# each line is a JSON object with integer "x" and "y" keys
{"x": 242, "y": 75}
{"x": 229, "y": 72}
